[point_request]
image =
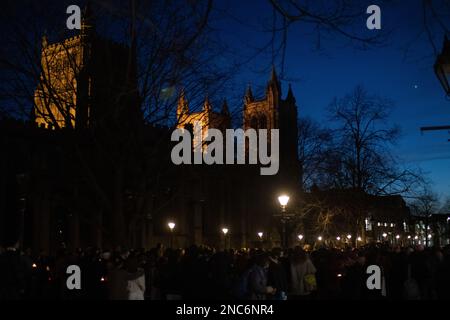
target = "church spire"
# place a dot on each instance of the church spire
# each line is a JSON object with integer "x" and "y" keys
{"x": 249, "y": 94}
{"x": 274, "y": 84}
{"x": 207, "y": 105}
{"x": 183, "y": 106}
{"x": 273, "y": 75}
{"x": 225, "y": 110}
{"x": 290, "y": 96}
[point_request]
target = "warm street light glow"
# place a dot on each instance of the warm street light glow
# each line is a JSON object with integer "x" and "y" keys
{"x": 338, "y": 238}
{"x": 225, "y": 231}
{"x": 409, "y": 237}
{"x": 349, "y": 236}
{"x": 397, "y": 237}
{"x": 319, "y": 238}
{"x": 384, "y": 235}
{"x": 171, "y": 225}
{"x": 429, "y": 236}
{"x": 34, "y": 265}
{"x": 283, "y": 200}
{"x": 260, "y": 235}
{"x": 359, "y": 239}
{"x": 300, "y": 237}
{"x": 416, "y": 237}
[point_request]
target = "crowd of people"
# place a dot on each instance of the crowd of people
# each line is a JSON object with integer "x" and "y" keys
{"x": 202, "y": 273}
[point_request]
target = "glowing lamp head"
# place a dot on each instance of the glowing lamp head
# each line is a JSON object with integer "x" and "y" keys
{"x": 300, "y": 237}
{"x": 34, "y": 265}
{"x": 397, "y": 237}
{"x": 319, "y": 238}
{"x": 225, "y": 231}
{"x": 260, "y": 234}
{"x": 338, "y": 238}
{"x": 384, "y": 235}
{"x": 416, "y": 237}
{"x": 283, "y": 200}
{"x": 429, "y": 236}
{"x": 359, "y": 239}
{"x": 409, "y": 237}
{"x": 171, "y": 225}
{"x": 349, "y": 236}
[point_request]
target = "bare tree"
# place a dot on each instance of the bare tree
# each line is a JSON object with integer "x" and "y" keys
{"x": 364, "y": 140}
{"x": 314, "y": 144}
{"x": 117, "y": 167}
{"x": 325, "y": 18}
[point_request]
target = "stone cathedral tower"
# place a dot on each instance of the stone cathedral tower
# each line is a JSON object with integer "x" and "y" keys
{"x": 274, "y": 112}
{"x": 86, "y": 81}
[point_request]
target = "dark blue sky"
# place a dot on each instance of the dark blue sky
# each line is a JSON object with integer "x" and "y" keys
{"x": 404, "y": 76}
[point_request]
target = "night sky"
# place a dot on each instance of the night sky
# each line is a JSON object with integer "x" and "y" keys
{"x": 401, "y": 70}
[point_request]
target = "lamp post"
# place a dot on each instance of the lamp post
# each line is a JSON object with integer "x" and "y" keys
{"x": 171, "y": 226}
{"x": 260, "y": 236}
{"x": 283, "y": 200}
{"x": 225, "y": 232}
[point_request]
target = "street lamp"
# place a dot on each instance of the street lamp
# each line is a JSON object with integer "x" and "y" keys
{"x": 300, "y": 237}
{"x": 319, "y": 238}
{"x": 385, "y": 235}
{"x": 260, "y": 236}
{"x": 283, "y": 200}
{"x": 225, "y": 232}
{"x": 359, "y": 239}
{"x": 338, "y": 238}
{"x": 171, "y": 226}
{"x": 442, "y": 67}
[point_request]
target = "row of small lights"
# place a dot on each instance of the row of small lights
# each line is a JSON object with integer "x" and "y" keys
{"x": 171, "y": 226}
{"x": 320, "y": 238}
{"x": 385, "y": 224}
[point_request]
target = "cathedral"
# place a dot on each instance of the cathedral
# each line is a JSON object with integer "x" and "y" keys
{"x": 74, "y": 194}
